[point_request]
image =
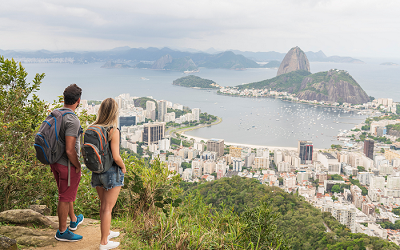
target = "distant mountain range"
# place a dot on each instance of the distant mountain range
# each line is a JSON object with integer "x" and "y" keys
{"x": 169, "y": 59}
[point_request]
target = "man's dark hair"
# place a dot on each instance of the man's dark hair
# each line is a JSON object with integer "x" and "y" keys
{"x": 71, "y": 94}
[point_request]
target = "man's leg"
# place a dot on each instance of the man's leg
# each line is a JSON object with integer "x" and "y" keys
{"x": 71, "y": 212}
{"x": 62, "y": 210}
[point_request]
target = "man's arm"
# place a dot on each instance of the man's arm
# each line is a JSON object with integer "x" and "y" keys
{"x": 71, "y": 152}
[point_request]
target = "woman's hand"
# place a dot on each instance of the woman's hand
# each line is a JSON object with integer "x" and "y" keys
{"x": 123, "y": 170}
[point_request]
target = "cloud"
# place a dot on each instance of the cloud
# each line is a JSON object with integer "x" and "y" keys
{"x": 345, "y": 27}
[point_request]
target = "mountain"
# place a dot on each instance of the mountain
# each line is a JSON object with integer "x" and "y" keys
{"x": 294, "y": 60}
{"x": 272, "y": 64}
{"x": 229, "y": 60}
{"x": 333, "y": 85}
{"x": 162, "y": 62}
{"x": 113, "y": 65}
{"x": 181, "y": 64}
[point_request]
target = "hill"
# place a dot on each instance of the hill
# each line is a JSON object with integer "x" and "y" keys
{"x": 290, "y": 82}
{"x": 192, "y": 81}
{"x": 181, "y": 64}
{"x": 333, "y": 85}
{"x": 301, "y": 223}
{"x": 113, "y": 65}
{"x": 229, "y": 60}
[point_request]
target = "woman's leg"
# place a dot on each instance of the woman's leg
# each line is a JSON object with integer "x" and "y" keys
{"x": 108, "y": 200}
{"x": 100, "y": 191}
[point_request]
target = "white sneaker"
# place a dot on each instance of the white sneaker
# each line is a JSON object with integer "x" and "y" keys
{"x": 110, "y": 245}
{"x": 112, "y": 235}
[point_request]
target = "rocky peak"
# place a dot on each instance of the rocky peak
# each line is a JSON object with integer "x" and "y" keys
{"x": 294, "y": 60}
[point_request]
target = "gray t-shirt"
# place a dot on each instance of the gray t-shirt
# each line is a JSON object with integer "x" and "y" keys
{"x": 70, "y": 127}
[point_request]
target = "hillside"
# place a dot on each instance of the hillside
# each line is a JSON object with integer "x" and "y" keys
{"x": 333, "y": 85}
{"x": 302, "y": 224}
{"x": 290, "y": 82}
{"x": 192, "y": 81}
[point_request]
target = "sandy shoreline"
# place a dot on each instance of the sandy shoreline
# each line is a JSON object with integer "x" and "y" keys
{"x": 198, "y": 139}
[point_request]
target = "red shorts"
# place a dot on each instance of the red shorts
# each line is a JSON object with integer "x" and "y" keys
{"x": 65, "y": 193}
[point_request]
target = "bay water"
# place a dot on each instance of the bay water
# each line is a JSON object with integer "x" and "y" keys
{"x": 258, "y": 121}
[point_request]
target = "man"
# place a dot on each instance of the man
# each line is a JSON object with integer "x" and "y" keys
{"x": 67, "y": 170}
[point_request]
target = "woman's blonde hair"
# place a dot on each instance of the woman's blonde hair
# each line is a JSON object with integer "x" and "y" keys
{"x": 107, "y": 116}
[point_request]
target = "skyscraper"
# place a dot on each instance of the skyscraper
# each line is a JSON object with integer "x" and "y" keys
{"x": 305, "y": 149}
{"x": 153, "y": 132}
{"x": 216, "y": 145}
{"x": 162, "y": 110}
{"x": 369, "y": 148}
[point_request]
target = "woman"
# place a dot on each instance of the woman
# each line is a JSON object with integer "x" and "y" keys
{"x": 109, "y": 183}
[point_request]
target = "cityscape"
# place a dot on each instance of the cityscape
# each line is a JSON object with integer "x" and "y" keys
{"x": 356, "y": 180}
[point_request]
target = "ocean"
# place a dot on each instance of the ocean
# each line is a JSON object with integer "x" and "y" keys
{"x": 258, "y": 121}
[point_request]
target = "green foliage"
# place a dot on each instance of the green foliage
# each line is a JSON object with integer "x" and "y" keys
{"x": 178, "y": 112}
{"x": 301, "y": 223}
{"x": 336, "y": 146}
{"x": 186, "y": 165}
{"x": 396, "y": 210}
{"x": 364, "y": 190}
{"x": 335, "y": 177}
{"x": 90, "y": 102}
{"x": 21, "y": 114}
{"x": 361, "y": 169}
{"x": 194, "y": 81}
{"x": 339, "y": 188}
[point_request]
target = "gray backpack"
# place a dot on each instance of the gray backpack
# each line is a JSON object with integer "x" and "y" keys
{"x": 48, "y": 145}
{"x": 96, "y": 150}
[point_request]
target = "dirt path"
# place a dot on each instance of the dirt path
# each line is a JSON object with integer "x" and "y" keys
{"x": 89, "y": 229}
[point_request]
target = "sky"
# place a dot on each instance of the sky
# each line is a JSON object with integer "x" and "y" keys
{"x": 357, "y": 28}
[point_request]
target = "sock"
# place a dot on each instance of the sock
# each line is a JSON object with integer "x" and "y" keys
{"x": 63, "y": 232}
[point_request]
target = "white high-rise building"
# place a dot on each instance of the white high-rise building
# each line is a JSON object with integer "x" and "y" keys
{"x": 162, "y": 110}
{"x": 151, "y": 110}
{"x": 393, "y": 182}
{"x": 164, "y": 144}
{"x": 237, "y": 164}
{"x": 262, "y": 152}
{"x": 196, "y": 114}
{"x": 346, "y": 215}
{"x": 377, "y": 182}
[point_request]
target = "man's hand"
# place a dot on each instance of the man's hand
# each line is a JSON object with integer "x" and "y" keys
{"x": 77, "y": 170}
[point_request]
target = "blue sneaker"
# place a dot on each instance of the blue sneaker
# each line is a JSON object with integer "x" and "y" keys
{"x": 74, "y": 225}
{"x": 67, "y": 236}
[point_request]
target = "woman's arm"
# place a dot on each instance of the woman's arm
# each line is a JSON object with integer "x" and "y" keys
{"x": 115, "y": 149}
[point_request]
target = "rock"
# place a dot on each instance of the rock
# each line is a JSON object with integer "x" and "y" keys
{"x": 42, "y": 209}
{"x": 28, "y": 237}
{"x": 294, "y": 60}
{"x": 25, "y": 216}
{"x": 7, "y": 243}
{"x": 333, "y": 86}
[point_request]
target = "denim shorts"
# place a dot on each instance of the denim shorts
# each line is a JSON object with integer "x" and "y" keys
{"x": 109, "y": 179}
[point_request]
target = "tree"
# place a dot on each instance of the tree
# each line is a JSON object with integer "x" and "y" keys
{"x": 335, "y": 188}
{"x": 21, "y": 114}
